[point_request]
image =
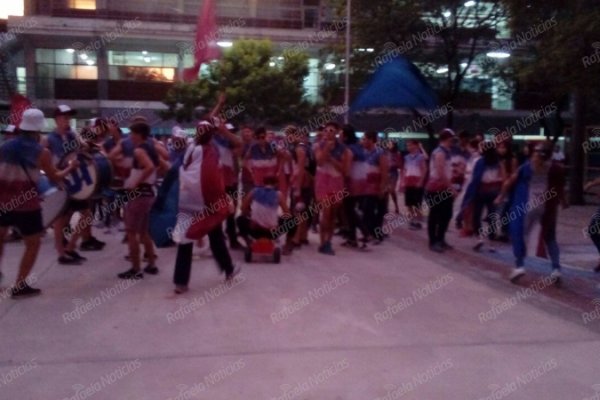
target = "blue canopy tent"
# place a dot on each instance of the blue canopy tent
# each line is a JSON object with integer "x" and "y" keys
{"x": 396, "y": 84}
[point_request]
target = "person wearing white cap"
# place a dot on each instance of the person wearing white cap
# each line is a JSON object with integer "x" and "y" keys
{"x": 177, "y": 146}
{"x": 21, "y": 160}
{"x": 60, "y": 143}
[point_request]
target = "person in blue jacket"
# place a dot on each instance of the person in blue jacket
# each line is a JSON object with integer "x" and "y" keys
{"x": 537, "y": 190}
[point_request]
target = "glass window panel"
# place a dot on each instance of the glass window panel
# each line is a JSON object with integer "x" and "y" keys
{"x": 45, "y": 56}
{"x": 86, "y": 72}
{"x": 64, "y": 72}
{"x": 114, "y": 73}
{"x": 153, "y": 60}
{"x": 116, "y": 57}
{"x": 64, "y": 57}
{"x": 170, "y": 60}
{"x": 83, "y": 4}
{"x": 169, "y": 73}
{"x": 188, "y": 60}
{"x": 45, "y": 71}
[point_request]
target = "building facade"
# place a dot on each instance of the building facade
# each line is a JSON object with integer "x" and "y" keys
{"x": 106, "y": 56}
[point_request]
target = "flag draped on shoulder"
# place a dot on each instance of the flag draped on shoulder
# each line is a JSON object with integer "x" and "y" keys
{"x": 211, "y": 197}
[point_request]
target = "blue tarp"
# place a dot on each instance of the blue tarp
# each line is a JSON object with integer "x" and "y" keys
{"x": 396, "y": 84}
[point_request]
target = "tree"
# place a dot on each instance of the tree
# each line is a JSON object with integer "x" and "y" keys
{"x": 267, "y": 89}
{"x": 443, "y": 36}
{"x": 566, "y": 61}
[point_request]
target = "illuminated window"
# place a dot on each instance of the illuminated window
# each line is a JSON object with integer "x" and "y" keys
{"x": 83, "y": 4}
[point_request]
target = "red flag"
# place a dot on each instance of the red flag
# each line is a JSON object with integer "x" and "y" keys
{"x": 18, "y": 105}
{"x": 205, "y": 45}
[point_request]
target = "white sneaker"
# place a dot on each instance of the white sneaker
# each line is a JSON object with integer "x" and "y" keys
{"x": 555, "y": 276}
{"x": 516, "y": 274}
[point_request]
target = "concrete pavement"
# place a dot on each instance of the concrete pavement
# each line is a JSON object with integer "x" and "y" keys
{"x": 395, "y": 322}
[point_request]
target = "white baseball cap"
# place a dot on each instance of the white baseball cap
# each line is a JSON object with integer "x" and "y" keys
{"x": 177, "y": 132}
{"x": 64, "y": 109}
{"x": 8, "y": 129}
{"x": 33, "y": 120}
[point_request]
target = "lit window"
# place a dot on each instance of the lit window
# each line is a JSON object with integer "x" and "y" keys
{"x": 83, "y": 4}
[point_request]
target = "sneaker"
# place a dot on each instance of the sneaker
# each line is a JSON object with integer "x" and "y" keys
{"x": 446, "y": 246}
{"x": 230, "y": 275}
{"x": 556, "y": 276}
{"x": 23, "y": 291}
{"x": 516, "y": 274}
{"x": 131, "y": 274}
{"x": 67, "y": 260}
{"x": 75, "y": 255}
{"x": 436, "y": 247}
{"x": 92, "y": 244}
{"x": 327, "y": 249}
{"x": 180, "y": 289}
{"x": 151, "y": 269}
{"x": 478, "y": 246}
{"x": 235, "y": 245}
{"x": 350, "y": 243}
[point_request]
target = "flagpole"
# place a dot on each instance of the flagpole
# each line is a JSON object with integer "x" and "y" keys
{"x": 347, "y": 77}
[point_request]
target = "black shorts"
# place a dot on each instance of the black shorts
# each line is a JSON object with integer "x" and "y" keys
{"x": 413, "y": 196}
{"x": 307, "y": 196}
{"x": 76, "y": 205}
{"x": 27, "y": 222}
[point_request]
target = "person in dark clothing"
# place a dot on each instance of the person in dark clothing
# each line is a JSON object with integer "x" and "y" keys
{"x": 203, "y": 206}
{"x": 440, "y": 193}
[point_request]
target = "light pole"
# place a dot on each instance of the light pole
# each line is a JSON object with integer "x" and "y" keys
{"x": 347, "y": 77}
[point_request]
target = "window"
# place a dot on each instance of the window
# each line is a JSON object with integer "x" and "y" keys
{"x": 142, "y": 65}
{"x": 83, "y": 4}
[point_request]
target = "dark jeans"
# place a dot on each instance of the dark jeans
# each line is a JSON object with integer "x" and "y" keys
{"x": 440, "y": 214}
{"x": 350, "y": 203}
{"x": 373, "y": 210}
{"x": 183, "y": 261}
{"x": 230, "y": 223}
{"x": 594, "y": 229}
{"x": 484, "y": 199}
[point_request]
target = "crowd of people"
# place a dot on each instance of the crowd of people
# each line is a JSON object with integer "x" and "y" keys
{"x": 235, "y": 186}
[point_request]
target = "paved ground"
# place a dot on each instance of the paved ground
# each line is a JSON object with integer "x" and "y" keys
{"x": 396, "y": 322}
